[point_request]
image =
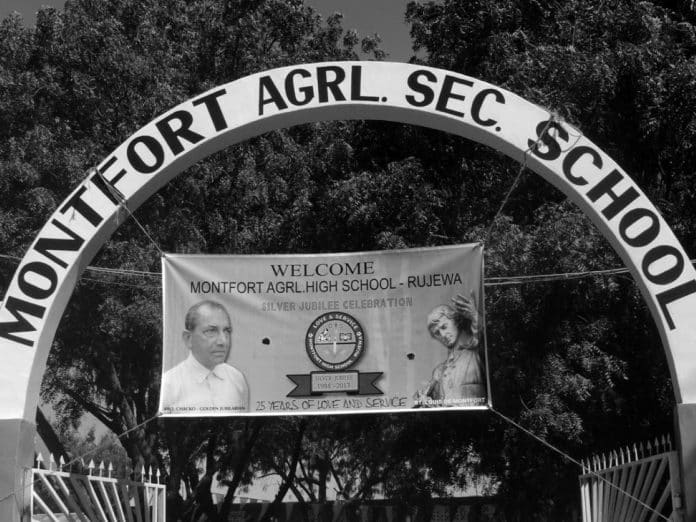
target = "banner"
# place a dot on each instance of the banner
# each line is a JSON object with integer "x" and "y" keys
{"x": 377, "y": 331}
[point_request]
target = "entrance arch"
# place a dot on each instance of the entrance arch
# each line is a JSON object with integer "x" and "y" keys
{"x": 228, "y": 114}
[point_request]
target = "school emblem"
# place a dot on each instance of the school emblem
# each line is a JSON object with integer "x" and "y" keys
{"x": 335, "y": 341}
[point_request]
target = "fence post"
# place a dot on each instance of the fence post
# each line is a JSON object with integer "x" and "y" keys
{"x": 685, "y": 428}
{"x": 16, "y": 457}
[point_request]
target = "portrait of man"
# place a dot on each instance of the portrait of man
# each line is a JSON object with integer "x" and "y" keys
{"x": 460, "y": 377}
{"x": 204, "y": 380}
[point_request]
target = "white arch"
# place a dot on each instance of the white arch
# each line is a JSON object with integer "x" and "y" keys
{"x": 43, "y": 283}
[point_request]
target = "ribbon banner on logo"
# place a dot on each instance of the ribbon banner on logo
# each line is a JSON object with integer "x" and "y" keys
{"x": 327, "y": 333}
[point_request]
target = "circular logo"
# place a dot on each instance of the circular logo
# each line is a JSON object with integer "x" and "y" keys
{"x": 335, "y": 341}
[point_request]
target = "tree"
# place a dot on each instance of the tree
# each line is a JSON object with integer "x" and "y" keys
{"x": 76, "y": 86}
{"x": 86, "y": 449}
{"x": 570, "y": 360}
{"x": 574, "y": 361}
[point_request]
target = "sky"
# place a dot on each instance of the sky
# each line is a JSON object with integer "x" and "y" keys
{"x": 384, "y": 17}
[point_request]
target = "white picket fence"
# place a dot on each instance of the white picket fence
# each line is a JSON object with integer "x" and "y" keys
{"x": 632, "y": 484}
{"x": 59, "y": 495}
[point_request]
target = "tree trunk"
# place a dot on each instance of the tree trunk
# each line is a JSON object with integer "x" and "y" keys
{"x": 49, "y": 437}
{"x": 289, "y": 478}
{"x": 242, "y": 464}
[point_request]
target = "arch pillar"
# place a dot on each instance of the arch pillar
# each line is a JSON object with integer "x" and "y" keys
{"x": 16, "y": 460}
{"x": 685, "y": 432}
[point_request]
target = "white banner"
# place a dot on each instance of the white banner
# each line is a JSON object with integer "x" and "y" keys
{"x": 326, "y": 333}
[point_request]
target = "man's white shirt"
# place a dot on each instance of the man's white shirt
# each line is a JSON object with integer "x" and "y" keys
{"x": 190, "y": 385}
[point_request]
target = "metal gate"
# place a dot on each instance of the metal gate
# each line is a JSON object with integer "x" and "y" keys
{"x": 61, "y": 496}
{"x": 636, "y": 484}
